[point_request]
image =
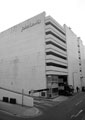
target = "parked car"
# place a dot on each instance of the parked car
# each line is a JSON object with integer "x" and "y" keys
{"x": 83, "y": 89}
{"x": 67, "y": 90}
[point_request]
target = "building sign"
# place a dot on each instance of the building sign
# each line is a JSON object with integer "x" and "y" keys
{"x": 30, "y": 25}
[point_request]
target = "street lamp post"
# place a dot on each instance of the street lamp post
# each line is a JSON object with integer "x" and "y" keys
{"x": 81, "y": 78}
{"x": 81, "y": 81}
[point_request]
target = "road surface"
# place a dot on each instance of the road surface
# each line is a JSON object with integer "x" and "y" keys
{"x": 71, "y": 109}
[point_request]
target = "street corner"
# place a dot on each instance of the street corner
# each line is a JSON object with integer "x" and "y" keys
{"x": 32, "y": 112}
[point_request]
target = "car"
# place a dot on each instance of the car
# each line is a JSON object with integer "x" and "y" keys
{"x": 67, "y": 90}
{"x": 83, "y": 88}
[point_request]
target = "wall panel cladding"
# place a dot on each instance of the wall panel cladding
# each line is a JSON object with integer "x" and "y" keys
{"x": 22, "y": 55}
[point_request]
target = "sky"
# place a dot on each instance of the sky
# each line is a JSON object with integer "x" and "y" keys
{"x": 69, "y": 12}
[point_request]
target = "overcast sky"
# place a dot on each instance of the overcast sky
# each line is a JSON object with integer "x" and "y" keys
{"x": 69, "y": 12}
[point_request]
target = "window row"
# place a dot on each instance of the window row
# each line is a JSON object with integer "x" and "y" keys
{"x": 49, "y": 23}
{"x": 50, "y": 32}
{"x": 56, "y": 45}
{"x": 55, "y": 65}
{"x": 55, "y": 54}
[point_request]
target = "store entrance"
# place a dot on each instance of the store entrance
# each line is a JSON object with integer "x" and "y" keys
{"x": 62, "y": 82}
{"x": 54, "y": 83}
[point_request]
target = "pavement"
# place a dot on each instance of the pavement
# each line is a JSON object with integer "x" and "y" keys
{"x": 18, "y": 110}
{"x": 60, "y": 99}
{"x": 24, "y": 111}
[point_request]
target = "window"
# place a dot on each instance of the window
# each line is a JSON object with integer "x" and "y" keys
{"x": 78, "y": 45}
{"x": 78, "y": 51}
{"x": 79, "y": 63}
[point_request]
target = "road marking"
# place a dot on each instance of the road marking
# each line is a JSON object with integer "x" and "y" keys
{"x": 74, "y": 96}
{"x": 78, "y": 102}
{"x": 72, "y": 116}
{"x": 79, "y": 113}
{"x": 76, "y": 114}
{"x": 7, "y": 113}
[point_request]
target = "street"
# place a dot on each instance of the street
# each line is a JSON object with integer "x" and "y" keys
{"x": 71, "y": 109}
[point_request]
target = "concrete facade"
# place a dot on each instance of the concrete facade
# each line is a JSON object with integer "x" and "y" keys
{"x": 22, "y": 55}
{"x": 81, "y": 53}
{"x": 39, "y": 54}
{"x": 20, "y": 98}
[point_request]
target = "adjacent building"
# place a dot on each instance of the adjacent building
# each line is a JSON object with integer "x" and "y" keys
{"x": 39, "y": 55}
{"x": 81, "y": 55}
{"x": 73, "y": 58}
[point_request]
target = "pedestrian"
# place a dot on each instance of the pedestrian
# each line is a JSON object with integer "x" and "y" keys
{"x": 77, "y": 88}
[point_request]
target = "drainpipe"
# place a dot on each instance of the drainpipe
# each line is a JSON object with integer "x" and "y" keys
{"x": 73, "y": 79}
